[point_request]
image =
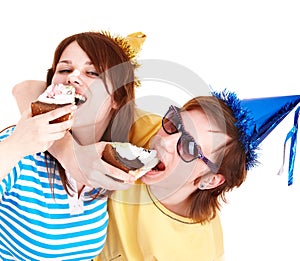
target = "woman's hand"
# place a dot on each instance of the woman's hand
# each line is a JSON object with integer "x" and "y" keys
{"x": 85, "y": 165}
{"x": 32, "y": 135}
{"x": 36, "y": 134}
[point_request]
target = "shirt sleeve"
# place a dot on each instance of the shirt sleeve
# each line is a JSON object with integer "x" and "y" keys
{"x": 8, "y": 181}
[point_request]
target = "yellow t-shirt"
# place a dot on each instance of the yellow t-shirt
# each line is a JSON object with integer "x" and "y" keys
{"x": 144, "y": 128}
{"x": 141, "y": 229}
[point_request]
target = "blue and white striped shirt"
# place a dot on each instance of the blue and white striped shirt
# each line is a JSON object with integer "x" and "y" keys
{"x": 35, "y": 225}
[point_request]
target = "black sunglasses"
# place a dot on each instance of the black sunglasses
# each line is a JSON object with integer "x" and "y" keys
{"x": 187, "y": 148}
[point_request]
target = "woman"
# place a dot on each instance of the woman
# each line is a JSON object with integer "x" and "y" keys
{"x": 45, "y": 213}
{"x": 127, "y": 123}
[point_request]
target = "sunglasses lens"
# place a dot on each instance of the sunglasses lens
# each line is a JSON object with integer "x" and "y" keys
{"x": 169, "y": 126}
{"x": 187, "y": 148}
{"x": 170, "y": 122}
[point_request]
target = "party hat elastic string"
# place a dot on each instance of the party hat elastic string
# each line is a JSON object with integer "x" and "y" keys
{"x": 292, "y": 134}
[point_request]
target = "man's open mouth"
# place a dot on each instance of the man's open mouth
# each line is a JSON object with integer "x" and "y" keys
{"x": 160, "y": 166}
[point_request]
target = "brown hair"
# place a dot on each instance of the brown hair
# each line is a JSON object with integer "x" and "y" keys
{"x": 112, "y": 63}
{"x": 231, "y": 159}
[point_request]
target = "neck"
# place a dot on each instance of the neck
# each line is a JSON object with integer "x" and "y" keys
{"x": 87, "y": 135}
{"x": 91, "y": 133}
{"x": 177, "y": 202}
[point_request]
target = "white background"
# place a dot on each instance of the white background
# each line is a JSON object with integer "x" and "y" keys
{"x": 250, "y": 47}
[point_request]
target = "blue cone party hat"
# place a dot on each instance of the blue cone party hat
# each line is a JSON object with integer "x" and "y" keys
{"x": 257, "y": 117}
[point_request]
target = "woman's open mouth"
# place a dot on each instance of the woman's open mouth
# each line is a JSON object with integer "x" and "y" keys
{"x": 79, "y": 99}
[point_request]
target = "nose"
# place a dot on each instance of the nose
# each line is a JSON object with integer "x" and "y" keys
{"x": 169, "y": 141}
{"x": 74, "y": 78}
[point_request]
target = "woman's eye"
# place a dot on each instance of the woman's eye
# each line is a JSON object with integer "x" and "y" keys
{"x": 93, "y": 73}
{"x": 64, "y": 71}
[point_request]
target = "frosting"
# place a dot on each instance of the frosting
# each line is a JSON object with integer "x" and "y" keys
{"x": 131, "y": 152}
{"x": 58, "y": 94}
{"x": 140, "y": 159}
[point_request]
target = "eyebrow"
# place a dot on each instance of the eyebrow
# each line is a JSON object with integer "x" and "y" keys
{"x": 70, "y": 62}
{"x": 215, "y": 131}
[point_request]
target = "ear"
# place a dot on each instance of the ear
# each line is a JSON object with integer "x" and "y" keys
{"x": 210, "y": 181}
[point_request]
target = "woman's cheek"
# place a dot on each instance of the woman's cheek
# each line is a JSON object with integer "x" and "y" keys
{"x": 59, "y": 79}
